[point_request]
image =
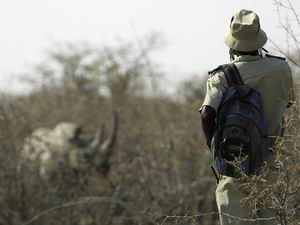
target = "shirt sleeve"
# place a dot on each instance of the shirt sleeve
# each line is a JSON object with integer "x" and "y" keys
{"x": 215, "y": 87}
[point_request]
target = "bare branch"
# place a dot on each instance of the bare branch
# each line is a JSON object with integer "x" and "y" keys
{"x": 285, "y": 54}
{"x": 193, "y": 217}
{"x": 88, "y": 200}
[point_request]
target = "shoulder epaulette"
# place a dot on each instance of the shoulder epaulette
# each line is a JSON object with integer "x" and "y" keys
{"x": 214, "y": 71}
{"x": 274, "y": 56}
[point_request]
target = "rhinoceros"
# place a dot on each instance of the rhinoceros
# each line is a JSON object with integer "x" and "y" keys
{"x": 68, "y": 147}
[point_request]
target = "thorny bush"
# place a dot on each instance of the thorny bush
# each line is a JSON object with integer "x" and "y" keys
{"x": 160, "y": 165}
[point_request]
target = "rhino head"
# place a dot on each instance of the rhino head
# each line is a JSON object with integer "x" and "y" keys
{"x": 68, "y": 145}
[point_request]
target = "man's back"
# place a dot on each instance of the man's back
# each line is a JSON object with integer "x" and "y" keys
{"x": 271, "y": 77}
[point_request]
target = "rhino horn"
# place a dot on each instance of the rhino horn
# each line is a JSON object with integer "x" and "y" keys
{"x": 104, "y": 150}
{"x": 109, "y": 143}
{"x": 97, "y": 140}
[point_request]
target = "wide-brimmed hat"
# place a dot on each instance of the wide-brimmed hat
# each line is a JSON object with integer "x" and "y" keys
{"x": 245, "y": 33}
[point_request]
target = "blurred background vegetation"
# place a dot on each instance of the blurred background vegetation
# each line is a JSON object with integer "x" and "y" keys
{"x": 160, "y": 165}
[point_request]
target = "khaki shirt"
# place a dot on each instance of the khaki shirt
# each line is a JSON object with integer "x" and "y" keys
{"x": 269, "y": 76}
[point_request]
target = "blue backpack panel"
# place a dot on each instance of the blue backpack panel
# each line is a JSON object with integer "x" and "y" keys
{"x": 241, "y": 131}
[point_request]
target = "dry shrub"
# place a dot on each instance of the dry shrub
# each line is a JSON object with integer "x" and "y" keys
{"x": 276, "y": 190}
{"x": 160, "y": 165}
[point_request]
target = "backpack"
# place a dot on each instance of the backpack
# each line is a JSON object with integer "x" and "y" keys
{"x": 241, "y": 130}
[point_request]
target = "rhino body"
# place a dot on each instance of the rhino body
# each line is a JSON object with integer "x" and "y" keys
{"x": 67, "y": 147}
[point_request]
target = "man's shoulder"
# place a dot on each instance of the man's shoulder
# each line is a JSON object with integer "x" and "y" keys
{"x": 276, "y": 60}
{"x": 275, "y": 57}
{"x": 218, "y": 71}
{"x": 268, "y": 64}
{"x": 217, "y": 76}
{"x": 215, "y": 71}
{"x": 276, "y": 63}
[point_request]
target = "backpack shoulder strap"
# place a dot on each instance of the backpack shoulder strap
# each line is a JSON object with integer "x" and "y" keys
{"x": 232, "y": 75}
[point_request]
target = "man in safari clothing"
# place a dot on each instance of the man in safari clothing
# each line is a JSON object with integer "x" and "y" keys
{"x": 268, "y": 75}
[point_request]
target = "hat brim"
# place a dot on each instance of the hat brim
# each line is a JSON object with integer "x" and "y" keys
{"x": 246, "y": 45}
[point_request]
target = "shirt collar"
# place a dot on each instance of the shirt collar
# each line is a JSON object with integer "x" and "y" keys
{"x": 246, "y": 58}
